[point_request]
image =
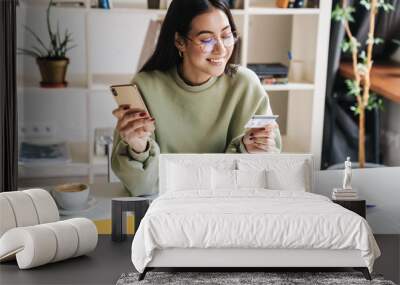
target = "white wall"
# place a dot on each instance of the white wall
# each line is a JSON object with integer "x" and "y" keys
{"x": 378, "y": 186}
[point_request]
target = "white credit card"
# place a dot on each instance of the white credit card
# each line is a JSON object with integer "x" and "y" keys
{"x": 259, "y": 121}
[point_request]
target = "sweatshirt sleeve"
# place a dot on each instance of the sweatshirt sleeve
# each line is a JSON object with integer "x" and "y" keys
{"x": 263, "y": 108}
{"x": 137, "y": 171}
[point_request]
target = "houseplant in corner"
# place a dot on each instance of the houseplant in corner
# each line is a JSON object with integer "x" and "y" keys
{"x": 361, "y": 62}
{"x": 51, "y": 59}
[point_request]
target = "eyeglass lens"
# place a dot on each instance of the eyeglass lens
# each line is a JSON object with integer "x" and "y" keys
{"x": 209, "y": 46}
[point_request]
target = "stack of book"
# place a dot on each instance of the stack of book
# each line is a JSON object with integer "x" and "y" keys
{"x": 344, "y": 194}
{"x": 297, "y": 3}
{"x": 270, "y": 73}
{"x": 41, "y": 152}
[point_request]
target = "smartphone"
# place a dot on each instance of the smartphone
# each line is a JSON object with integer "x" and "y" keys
{"x": 128, "y": 94}
{"x": 259, "y": 121}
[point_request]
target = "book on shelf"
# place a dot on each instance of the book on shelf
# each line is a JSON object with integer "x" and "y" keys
{"x": 68, "y": 3}
{"x": 344, "y": 194}
{"x": 298, "y": 4}
{"x": 270, "y": 73}
{"x": 104, "y": 4}
{"x": 347, "y": 198}
{"x": 274, "y": 80}
{"x": 311, "y": 3}
{"x": 282, "y": 3}
{"x": 44, "y": 152}
{"x": 269, "y": 69}
{"x": 341, "y": 190}
{"x": 236, "y": 4}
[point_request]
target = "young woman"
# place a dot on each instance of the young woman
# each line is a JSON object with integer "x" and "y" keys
{"x": 199, "y": 101}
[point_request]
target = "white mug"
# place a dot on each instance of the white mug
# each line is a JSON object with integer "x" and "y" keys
{"x": 71, "y": 196}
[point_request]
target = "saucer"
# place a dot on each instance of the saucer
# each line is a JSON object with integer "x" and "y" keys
{"x": 90, "y": 204}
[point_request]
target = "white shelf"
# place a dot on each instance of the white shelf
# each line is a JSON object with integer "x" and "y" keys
{"x": 61, "y": 91}
{"x": 76, "y": 82}
{"x": 288, "y": 87}
{"x": 53, "y": 170}
{"x": 262, "y": 41}
{"x": 280, "y": 11}
{"x": 79, "y": 165}
{"x": 124, "y": 9}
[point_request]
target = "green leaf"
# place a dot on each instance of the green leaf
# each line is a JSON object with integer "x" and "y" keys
{"x": 374, "y": 102}
{"x": 28, "y": 52}
{"x": 363, "y": 56}
{"x": 349, "y": 45}
{"x": 38, "y": 39}
{"x": 366, "y": 4}
{"x": 362, "y": 68}
{"x": 343, "y": 14}
{"x": 337, "y": 13}
{"x": 385, "y": 5}
{"x": 353, "y": 88}
{"x": 40, "y": 52}
{"x": 346, "y": 46}
{"x": 375, "y": 41}
{"x": 355, "y": 109}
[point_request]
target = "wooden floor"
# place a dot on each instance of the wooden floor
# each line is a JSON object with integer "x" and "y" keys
{"x": 102, "y": 266}
{"x": 111, "y": 259}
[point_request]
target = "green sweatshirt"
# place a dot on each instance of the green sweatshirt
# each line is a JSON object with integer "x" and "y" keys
{"x": 208, "y": 118}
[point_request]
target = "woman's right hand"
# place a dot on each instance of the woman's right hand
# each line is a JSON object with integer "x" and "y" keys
{"x": 135, "y": 126}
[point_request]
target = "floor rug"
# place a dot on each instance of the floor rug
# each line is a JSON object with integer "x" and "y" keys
{"x": 243, "y": 278}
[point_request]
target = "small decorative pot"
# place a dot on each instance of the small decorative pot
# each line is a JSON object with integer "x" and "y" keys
{"x": 53, "y": 72}
{"x": 153, "y": 4}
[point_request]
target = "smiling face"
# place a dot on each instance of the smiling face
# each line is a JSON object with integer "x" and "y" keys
{"x": 202, "y": 58}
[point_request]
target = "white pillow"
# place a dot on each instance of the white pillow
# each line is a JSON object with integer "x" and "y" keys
{"x": 282, "y": 173}
{"x": 224, "y": 179}
{"x": 293, "y": 180}
{"x": 181, "y": 177}
{"x": 227, "y": 179}
{"x": 251, "y": 178}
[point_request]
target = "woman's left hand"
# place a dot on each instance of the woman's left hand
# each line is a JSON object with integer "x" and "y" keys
{"x": 260, "y": 139}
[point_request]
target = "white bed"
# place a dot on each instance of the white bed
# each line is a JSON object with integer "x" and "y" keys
{"x": 238, "y": 210}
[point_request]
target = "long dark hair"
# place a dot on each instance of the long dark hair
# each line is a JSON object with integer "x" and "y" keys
{"x": 178, "y": 19}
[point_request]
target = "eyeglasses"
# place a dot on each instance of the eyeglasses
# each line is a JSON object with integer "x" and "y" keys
{"x": 207, "y": 45}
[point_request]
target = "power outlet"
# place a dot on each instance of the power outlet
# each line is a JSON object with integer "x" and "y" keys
{"x": 37, "y": 130}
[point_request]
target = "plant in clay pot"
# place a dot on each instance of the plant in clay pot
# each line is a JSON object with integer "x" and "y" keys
{"x": 51, "y": 59}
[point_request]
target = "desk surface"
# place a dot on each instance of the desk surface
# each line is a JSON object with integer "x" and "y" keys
{"x": 385, "y": 79}
{"x": 100, "y": 209}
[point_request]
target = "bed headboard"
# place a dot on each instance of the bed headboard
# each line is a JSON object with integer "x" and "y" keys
{"x": 232, "y": 161}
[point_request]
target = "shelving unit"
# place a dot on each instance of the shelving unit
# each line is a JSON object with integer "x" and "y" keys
{"x": 106, "y": 57}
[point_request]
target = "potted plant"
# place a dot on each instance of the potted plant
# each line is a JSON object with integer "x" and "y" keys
{"x": 361, "y": 62}
{"x": 52, "y": 60}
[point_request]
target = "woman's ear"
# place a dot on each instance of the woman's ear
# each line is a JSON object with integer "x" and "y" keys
{"x": 179, "y": 42}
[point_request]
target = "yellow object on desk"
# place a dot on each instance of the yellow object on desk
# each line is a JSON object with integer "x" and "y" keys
{"x": 104, "y": 226}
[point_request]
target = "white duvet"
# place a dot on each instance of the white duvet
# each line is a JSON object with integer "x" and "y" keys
{"x": 251, "y": 218}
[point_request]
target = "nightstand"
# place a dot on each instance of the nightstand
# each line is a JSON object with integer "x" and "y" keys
{"x": 357, "y": 206}
{"x": 119, "y": 206}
